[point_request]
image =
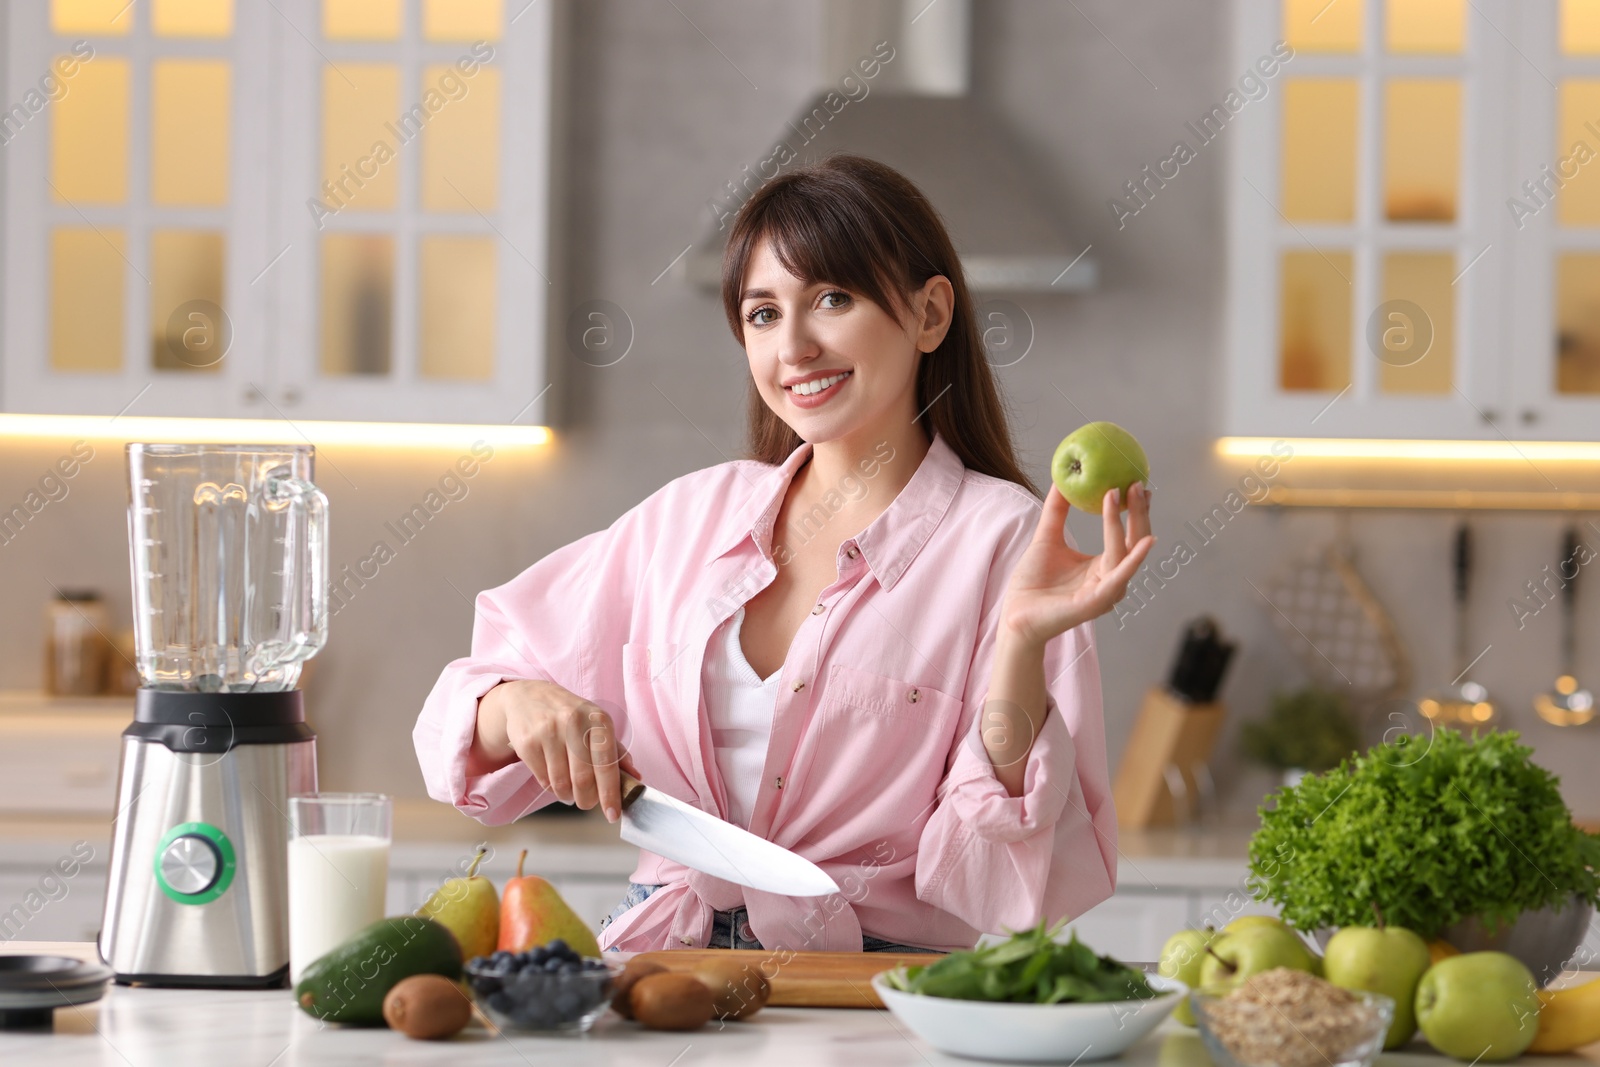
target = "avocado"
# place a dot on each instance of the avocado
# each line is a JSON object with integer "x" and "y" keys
{"x": 349, "y": 983}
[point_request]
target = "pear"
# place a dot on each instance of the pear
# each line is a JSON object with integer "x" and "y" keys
{"x": 533, "y": 913}
{"x": 469, "y": 908}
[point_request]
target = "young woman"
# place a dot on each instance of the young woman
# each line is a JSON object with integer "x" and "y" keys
{"x": 868, "y": 643}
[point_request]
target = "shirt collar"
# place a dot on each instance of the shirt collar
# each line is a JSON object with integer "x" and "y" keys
{"x": 892, "y": 540}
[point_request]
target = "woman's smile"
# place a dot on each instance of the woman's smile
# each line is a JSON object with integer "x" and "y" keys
{"x": 810, "y": 394}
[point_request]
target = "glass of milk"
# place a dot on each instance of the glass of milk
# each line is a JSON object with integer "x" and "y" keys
{"x": 338, "y": 870}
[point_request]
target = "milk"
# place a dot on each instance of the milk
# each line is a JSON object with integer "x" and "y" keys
{"x": 337, "y": 885}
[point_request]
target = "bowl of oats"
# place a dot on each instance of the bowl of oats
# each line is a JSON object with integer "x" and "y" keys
{"x": 1290, "y": 1018}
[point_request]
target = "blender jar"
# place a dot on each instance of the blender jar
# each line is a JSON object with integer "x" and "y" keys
{"x": 229, "y": 551}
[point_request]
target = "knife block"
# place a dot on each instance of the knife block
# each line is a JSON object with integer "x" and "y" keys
{"x": 1167, "y": 753}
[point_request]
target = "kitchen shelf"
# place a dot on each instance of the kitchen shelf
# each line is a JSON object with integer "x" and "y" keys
{"x": 1433, "y": 499}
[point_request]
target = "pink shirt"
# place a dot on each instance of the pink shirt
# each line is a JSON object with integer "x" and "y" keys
{"x": 874, "y": 770}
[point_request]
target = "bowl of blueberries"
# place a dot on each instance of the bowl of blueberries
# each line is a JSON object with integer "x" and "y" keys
{"x": 549, "y": 987}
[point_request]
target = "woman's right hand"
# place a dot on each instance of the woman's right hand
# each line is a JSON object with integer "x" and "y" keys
{"x": 569, "y": 743}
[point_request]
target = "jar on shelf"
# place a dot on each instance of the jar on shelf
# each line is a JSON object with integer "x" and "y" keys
{"x": 75, "y": 644}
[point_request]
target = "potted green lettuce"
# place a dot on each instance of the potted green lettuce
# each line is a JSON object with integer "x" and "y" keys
{"x": 1306, "y": 730}
{"x": 1446, "y": 835}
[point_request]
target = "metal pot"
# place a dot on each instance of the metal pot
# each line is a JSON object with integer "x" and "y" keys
{"x": 1543, "y": 940}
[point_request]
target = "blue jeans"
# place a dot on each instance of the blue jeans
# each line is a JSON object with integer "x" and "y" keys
{"x": 731, "y": 929}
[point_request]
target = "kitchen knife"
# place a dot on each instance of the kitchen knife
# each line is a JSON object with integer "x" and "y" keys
{"x": 668, "y": 827}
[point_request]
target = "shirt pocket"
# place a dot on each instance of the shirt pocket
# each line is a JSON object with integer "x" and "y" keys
{"x": 879, "y": 742}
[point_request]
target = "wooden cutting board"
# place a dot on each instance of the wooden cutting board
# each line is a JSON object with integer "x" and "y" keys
{"x": 804, "y": 979}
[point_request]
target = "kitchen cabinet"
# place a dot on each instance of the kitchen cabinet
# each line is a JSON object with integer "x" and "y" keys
{"x": 272, "y": 211}
{"x": 1414, "y": 251}
{"x": 1133, "y": 925}
{"x": 60, "y": 754}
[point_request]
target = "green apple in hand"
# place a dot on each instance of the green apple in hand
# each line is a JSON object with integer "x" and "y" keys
{"x": 1479, "y": 1005}
{"x": 1095, "y": 459}
{"x": 1232, "y": 958}
{"x": 1388, "y": 960}
{"x": 1181, "y": 958}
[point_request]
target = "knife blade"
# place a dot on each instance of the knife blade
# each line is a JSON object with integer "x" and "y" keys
{"x": 668, "y": 827}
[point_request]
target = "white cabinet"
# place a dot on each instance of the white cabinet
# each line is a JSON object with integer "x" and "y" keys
{"x": 1413, "y": 250}
{"x": 60, "y": 755}
{"x": 259, "y": 212}
{"x": 1133, "y": 926}
{"x": 35, "y": 907}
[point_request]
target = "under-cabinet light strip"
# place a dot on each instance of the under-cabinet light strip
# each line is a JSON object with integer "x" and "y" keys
{"x": 270, "y": 431}
{"x": 1407, "y": 450}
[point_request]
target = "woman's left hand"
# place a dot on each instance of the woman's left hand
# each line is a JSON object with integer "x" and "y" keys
{"x": 1054, "y": 587}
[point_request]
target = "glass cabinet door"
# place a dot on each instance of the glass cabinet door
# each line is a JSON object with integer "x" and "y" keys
{"x": 417, "y": 211}
{"x": 1552, "y": 200}
{"x": 1357, "y": 195}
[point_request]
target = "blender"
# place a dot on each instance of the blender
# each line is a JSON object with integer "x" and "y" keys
{"x": 229, "y": 551}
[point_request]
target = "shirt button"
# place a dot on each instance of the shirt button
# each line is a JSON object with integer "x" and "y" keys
{"x": 799, "y": 684}
{"x": 819, "y": 609}
{"x": 687, "y": 940}
{"x": 852, "y": 553}
{"x": 913, "y": 696}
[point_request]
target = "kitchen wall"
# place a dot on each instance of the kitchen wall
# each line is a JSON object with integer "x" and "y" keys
{"x": 658, "y": 120}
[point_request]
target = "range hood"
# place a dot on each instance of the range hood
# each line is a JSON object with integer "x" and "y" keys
{"x": 917, "y": 116}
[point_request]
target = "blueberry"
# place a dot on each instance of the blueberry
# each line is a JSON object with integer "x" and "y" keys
{"x": 500, "y": 956}
{"x": 552, "y": 965}
{"x": 567, "y": 1003}
{"x": 557, "y": 946}
{"x": 501, "y": 1002}
{"x": 538, "y": 955}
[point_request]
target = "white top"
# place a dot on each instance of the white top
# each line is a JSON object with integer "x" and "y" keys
{"x": 740, "y": 706}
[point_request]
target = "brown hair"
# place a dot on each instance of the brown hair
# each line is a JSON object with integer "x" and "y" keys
{"x": 865, "y": 227}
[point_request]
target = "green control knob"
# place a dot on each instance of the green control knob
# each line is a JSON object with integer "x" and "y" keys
{"x": 194, "y": 863}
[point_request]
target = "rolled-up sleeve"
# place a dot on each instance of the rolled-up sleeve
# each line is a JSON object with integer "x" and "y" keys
{"x": 563, "y": 620}
{"x": 1000, "y": 862}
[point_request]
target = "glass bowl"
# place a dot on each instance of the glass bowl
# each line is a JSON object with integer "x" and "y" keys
{"x": 544, "y": 989}
{"x": 1244, "y": 1034}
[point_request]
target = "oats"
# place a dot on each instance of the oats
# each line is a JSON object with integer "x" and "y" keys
{"x": 1289, "y": 1018}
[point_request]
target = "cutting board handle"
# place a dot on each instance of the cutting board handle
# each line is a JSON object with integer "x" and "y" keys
{"x": 631, "y": 788}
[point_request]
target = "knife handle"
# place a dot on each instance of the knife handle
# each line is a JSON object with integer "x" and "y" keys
{"x": 631, "y": 788}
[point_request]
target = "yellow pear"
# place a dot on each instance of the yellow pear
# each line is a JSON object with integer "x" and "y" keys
{"x": 469, "y": 908}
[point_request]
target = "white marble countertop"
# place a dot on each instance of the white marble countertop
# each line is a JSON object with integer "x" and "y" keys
{"x": 165, "y": 1027}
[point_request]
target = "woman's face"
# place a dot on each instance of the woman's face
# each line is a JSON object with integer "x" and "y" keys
{"x": 793, "y": 331}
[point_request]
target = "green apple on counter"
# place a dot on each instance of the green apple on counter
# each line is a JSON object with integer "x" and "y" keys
{"x": 1478, "y": 1005}
{"x": 1095, "y": 459}
{"x": 1181, "y": 958}
{"x": 1233, "y": 957}
{"x": 1390, "y": 960}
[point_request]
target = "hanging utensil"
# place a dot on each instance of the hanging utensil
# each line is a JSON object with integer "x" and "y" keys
{"x": 1568, "y": 704}
{"x": 1463, "y": 702}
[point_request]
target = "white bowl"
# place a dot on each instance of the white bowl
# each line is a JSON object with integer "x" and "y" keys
{"x": 1031, "y": 1033}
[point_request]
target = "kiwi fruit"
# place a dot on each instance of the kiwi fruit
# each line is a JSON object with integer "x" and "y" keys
{"x": 622, "y": 988}
{"x": 738, "y": 989}
{"x": 427, "y": 1007}
{"x": 671, "y": 1001}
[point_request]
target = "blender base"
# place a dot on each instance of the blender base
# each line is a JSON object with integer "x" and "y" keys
{"x": 276, "y": 980}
